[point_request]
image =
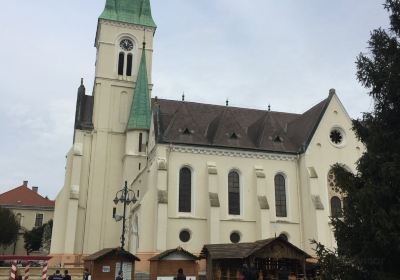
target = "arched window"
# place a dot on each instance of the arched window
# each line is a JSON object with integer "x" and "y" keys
{"x": 121, "y": 59}
{"x": 283, "y": 237}
{"x": 125, "y": 57}
{"x": 19, "y": 218}
{"x": 129, "y": 65}
{"x": 336, "y": 207}
{"x": 234, "y": 193}
{"x": 280, "y": 196}
{"x": 185, "y": 190}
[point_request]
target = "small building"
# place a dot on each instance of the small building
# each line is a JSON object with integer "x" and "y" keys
{"x": 105, "y": 264}
{"x": 31, "y": 210}
{"x": 168, "y": 262}
{"x": 273, "y": 258}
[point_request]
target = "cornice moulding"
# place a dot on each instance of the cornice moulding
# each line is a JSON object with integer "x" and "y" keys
{"x": 232, "y": 153}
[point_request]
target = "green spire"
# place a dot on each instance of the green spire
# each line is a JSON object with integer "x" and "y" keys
{"x": 140, "y": 115}
{"x": 129, "y": 11}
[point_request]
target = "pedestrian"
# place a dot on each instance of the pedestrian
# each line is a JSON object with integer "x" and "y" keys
{"x": 57, "y": 275}
{"x": 180, "y": 275}
{"x": 120, "y": 276}
{"x": 252, "y": 273}
{"x": 86, "y": 274}
{"x": 66, "y": 275}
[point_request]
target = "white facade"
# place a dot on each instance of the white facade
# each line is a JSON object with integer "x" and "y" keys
{"x": 104, "y": 157}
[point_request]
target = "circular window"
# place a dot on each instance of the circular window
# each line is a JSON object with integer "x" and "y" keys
{"x": 184, "y": 235}
{"x": 337, "y": 136}
{"x": 283, "y": 236}
{"x": 235, "y": 237}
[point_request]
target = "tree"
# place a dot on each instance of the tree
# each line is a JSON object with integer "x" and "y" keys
{"x": 368, "y": 234}
{"x": 35, "y": 238}
{"x": 9, "y": 227}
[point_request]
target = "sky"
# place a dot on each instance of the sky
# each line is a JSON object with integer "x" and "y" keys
{"x": 285, "y": 53}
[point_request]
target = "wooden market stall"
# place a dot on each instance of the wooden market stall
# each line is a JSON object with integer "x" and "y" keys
{"x": 273, "y": 258}
{"x": 167, "y": 263}
{"x": 105, "y": 264}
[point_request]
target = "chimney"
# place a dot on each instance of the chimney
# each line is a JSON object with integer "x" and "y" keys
{"x": 25, "y": 183}
{"x": 35, "y": 189}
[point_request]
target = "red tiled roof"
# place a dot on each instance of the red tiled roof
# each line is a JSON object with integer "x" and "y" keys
{"x": 23, "y": 196}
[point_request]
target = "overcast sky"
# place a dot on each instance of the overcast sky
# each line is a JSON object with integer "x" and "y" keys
{"x": 287, "y": 53}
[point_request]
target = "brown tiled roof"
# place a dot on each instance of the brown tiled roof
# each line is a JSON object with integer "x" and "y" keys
{"x": 244, "y": 250}
{"x": 113, "y": 251}
{"x": 190, "y": 123}
{"x": 22, "y": 196}
{"x": 171, "y": 251}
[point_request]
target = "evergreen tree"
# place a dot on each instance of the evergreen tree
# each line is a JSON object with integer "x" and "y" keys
{"x": 33, "y": 239}
{"x": 9, "y": 227}
{"x": 368, "y": 234}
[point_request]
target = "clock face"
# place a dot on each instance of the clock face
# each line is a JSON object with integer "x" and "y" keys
{"x": 126, "y": 45}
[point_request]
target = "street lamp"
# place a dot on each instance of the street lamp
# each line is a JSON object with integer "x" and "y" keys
{"x": 125, "y": 196}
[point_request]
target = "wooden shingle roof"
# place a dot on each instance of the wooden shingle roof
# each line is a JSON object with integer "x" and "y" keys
{"x": 110, "y": 251}
{"x": 167, "y": 253}
{"x": 245, "y": 250}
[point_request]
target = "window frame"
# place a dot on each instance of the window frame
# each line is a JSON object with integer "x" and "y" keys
{"x": 239, "y": 186}
{"x": 36, "y": 217}
{"x": 336, "y": 213}
{"x": 131, "y": 53}
{"x": 286, "y": 195}
{"x": 192, "y": 206}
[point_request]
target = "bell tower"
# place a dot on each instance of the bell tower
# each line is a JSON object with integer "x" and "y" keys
{"x": 121, "y": 113}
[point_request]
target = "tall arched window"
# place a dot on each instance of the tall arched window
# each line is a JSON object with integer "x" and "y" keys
{"x": 335, "y": 197}
{"x": 234, "y": 193}
{"x": 19, "y": 218}
{"x": 280, "y": 196}
{"x": 185, "y": 190}
{"x": 336, "y": 207}
{"x": 121, "y": 59}
{"x": 129, "y": 65}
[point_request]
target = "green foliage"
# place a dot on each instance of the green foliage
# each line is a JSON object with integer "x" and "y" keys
{"x": 368, "y": 235}
{"x": 9, "y": 227}
{"x": 35, "y": 237}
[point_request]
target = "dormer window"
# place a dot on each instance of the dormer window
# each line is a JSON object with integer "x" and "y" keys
{"x": 233, "y": 136}
{"x": 278, "y": 139}
{"x": 125, "y": 57}
{"x": 186, "y": 131}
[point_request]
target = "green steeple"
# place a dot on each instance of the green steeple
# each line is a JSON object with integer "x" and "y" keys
{"x": 129, "y": 11}
{"x": 140, "y": 115}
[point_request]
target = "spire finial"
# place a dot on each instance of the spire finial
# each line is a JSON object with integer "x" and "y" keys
{"x": 81, "y": 81}
{"x": 269, "y": 107}
{"x": 183, "y": 96}
{"x": 227, "y": 102}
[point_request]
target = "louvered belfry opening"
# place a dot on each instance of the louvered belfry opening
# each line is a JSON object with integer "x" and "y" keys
{"x": 185, "y": 190}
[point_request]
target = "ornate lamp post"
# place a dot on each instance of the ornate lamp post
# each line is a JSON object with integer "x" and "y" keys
{"x": 125, "y": 196}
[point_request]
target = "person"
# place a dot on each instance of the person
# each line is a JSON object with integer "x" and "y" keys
{"x": 120, "y": 276}
{"x": 180, "y": 275}
{"x": 249, "y": 273}
{"x": 66, "y": 275}
{"x": 86, "y": 274}
{"x": 56, "y": 276}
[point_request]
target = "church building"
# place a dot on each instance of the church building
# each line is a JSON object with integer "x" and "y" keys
{"x": 201, "y": 173}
